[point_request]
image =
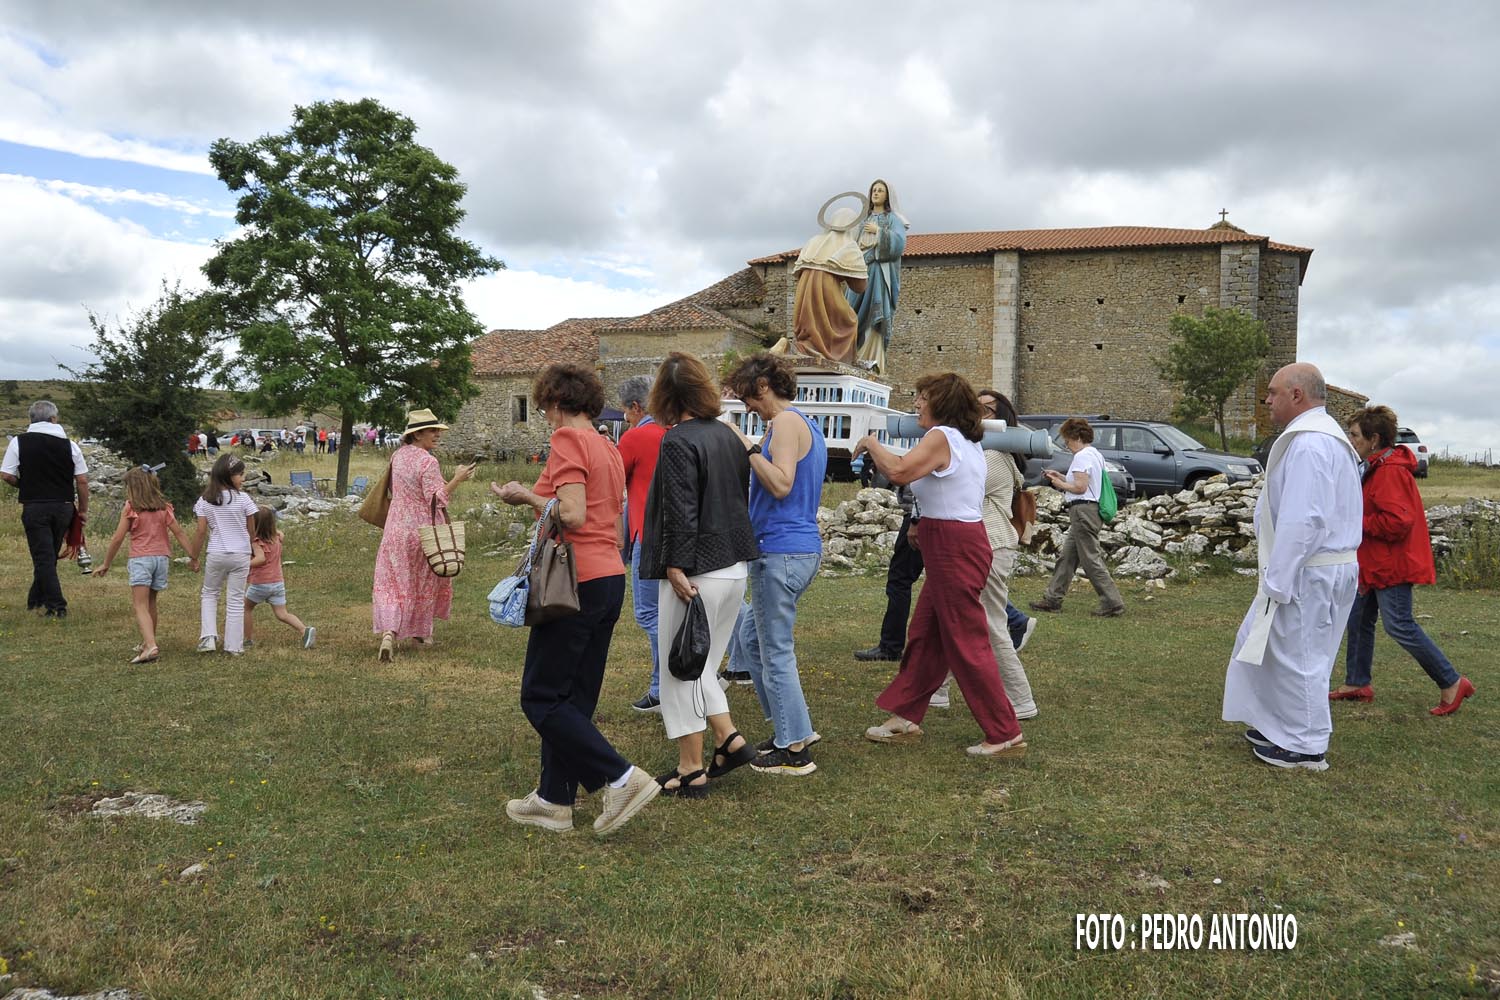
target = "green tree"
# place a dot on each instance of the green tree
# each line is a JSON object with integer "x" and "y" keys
{"x": 343, "y": 288}
{"x": 141, "y": 395}
{"x": 1209, "y": 358}
{"x": 11, "y": 390}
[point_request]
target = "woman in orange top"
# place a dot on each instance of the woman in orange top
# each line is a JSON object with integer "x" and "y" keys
{"x": 565, "y": 658}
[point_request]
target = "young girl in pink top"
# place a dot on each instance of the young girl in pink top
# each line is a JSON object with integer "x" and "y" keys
{"x": 267, "y": 584}
{"x": 149, "y": 519}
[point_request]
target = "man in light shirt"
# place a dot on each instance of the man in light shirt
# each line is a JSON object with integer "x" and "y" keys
{"x": 48, "y": 469}
{"x": 1081, "y": 485}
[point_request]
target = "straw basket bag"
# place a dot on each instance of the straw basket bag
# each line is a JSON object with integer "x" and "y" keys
{"x": 443, "y": 544}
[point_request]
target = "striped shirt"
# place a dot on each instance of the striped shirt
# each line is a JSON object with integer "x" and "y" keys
{"x": 227, "y": 529}
{"x": 999, "y": 489}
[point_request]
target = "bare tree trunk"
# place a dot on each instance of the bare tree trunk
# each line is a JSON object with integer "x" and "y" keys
{"x": 346, "y": 443}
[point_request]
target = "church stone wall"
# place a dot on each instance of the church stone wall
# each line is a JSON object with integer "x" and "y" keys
{"x": 945, "y": 321}
{"x": 490, "y": 422}
{"x": 1091, "y": 325}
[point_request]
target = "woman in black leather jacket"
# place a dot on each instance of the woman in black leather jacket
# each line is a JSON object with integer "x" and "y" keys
{"x": 698, "y": 539}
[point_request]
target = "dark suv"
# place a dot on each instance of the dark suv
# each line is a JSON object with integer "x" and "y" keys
{"x": 1163, "y": 459}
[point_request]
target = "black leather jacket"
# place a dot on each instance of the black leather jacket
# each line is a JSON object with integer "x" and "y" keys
{"x": 698, "y": 511}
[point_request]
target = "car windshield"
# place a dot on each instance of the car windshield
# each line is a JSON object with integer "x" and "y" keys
{"x": 1406, "y": 435}
{"x": 1176, "y": 438}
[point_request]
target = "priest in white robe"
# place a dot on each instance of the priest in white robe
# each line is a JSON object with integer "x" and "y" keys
{"x": 1308, "y": 524}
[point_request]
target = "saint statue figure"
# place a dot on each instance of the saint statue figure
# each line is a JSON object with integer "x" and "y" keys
{"x": 823, "y": 320}
{"x": 883, "y": 240}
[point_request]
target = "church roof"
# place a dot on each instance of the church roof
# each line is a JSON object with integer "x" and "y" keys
{"x": 743, "y": 288}
{"x": 526, "y": 352}
{"x": 1061, "y": 240}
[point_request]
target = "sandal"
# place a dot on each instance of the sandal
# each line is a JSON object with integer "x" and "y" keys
{"x": 387, "y": 647}
{"x": 684, "y": 788}
{"x": 731, "y": 759}
{"x": 147, "y": 655}
{"x": 896, "y": 730}
{"x": 1012, "y": 748}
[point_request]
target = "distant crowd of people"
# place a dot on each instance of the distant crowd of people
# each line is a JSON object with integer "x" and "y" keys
{"x": 321, "y": 440}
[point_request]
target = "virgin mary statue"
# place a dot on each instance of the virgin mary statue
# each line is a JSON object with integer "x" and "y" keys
{"x": 883, "y": 240}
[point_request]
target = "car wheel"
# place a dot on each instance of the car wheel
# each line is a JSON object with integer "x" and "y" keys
{"x": 1191, "y": 483}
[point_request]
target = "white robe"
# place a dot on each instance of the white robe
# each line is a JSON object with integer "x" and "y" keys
{"x": 1312, "y": 501}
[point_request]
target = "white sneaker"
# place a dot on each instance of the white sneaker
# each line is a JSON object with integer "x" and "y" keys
{"x": 533, "y": 811}
{"x": 309, "y": 636}
{"x": 620, "y": 804}
{"x": 939, "y": 698}
{"x": 208, "y": 644}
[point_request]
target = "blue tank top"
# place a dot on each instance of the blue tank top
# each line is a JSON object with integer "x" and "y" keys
{"x": 790, "y": 525}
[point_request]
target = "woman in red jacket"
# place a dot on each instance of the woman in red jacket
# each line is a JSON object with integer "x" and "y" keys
{"x": 1394, "y": 555}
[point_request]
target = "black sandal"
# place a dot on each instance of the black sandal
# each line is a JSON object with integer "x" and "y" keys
{"x": 731, "y": 760}
{"x": 685, "y": 787}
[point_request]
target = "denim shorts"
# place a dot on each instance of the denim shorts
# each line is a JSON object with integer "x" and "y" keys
{"x": 267, "y": 593}
{"x": 148, "y": 571}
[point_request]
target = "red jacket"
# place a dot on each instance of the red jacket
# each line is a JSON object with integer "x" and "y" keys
{"x": 1396, "y": 548}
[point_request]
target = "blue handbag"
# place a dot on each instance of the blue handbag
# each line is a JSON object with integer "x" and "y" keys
{"x": 508, "y": 599}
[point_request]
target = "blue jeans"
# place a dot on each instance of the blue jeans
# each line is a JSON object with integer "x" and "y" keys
{"x": 1394, "y": 605}
{"x": 764, "y": 638}
{"x": 1015, "y": 621}
{"x": 644, "y": 596}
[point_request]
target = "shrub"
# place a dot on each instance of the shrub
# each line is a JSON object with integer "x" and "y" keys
{"x": 1474, "y": 561}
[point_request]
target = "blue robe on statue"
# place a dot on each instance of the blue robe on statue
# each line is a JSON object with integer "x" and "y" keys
{"x": 876, "y": 305}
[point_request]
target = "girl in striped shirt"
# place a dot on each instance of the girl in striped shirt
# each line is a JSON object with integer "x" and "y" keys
{"x": 225, "y": 515}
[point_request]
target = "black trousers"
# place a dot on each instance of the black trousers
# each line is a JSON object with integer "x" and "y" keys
{"x": 560, "y": 689}
{"x": 46, "y": 524}
{"x": 905, "y": 570}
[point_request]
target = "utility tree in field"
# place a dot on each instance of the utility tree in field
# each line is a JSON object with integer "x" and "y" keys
{"x": 343, "y": 288}
{"x": 1209, "y": 359}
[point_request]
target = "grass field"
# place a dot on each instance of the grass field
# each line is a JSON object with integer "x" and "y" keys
{"x": 357, "y": 845}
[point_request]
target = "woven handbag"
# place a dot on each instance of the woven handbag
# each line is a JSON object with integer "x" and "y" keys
{"x": 442, "y": 544}
{"x": 552, "y": 591}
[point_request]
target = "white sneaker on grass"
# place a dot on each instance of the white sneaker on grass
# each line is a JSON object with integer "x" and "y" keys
{"x": 620, "y": 804}
{"x": 208, "y": 644}
{"x": 534, "y": 811}
{"x": 309, "y": 636}
{"x": 940, "y": 698}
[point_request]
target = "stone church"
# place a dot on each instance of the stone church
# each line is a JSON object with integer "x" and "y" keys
{"x": 1061, "y": 320}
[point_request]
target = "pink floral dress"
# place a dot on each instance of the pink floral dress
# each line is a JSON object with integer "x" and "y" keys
{"x": 408, "y": 595}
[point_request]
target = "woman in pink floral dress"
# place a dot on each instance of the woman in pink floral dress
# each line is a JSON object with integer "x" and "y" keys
{"x": 408, "y": 595}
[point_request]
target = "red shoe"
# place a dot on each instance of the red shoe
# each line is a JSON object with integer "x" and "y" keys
{"x": 1465, "y": 690}
{"x": 1366, "y": 693}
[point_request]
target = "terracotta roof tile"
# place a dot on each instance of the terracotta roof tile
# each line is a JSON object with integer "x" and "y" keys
{"x": 684, "y": 314}
{"x": 526, "y": 352}
{"x": 744, "y": 287}
{"x": 1046, "y": 240}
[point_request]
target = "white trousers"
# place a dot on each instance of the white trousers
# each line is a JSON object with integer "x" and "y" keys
{"x": 225, "y": 571}
{"x": 686, "y": 705}
{"x": 994, "y": 597}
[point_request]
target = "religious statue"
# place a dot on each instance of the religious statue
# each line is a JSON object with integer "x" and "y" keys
{"x": 883, "y": 240}
{"x": 823, "y": 319}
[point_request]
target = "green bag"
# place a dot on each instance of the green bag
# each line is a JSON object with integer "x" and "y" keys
{"x": 1109, "y": 504}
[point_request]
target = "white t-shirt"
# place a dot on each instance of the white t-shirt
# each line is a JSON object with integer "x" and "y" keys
{"x": 227, "y": 530}
{"x": 953, "y": 493}
{"x": 1090, "y": 461}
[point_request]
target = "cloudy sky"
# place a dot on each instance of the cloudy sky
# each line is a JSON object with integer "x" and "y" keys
{"x": 622, "y": 154}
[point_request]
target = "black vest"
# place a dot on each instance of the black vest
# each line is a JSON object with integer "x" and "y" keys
{"x": 46, "y": 468}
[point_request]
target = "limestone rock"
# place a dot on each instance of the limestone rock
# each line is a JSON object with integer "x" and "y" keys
{"x": 193, "y": 873}
{"x": 150, "y": 806}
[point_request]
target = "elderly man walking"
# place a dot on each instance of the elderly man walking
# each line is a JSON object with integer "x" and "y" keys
{"x": 639, "y": 448}
{"x": 1308, "y": 523}
{"x": 47, "y": 468}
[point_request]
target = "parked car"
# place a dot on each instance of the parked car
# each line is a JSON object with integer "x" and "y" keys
{"x": 1163, "y": 459}
{"x": 1407, "y": 438}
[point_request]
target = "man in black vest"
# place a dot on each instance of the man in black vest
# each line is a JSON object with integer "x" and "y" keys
{"x": 47, "y": 468}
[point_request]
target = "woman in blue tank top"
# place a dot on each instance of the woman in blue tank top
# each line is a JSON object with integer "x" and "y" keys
{"x": 786, "y": 484}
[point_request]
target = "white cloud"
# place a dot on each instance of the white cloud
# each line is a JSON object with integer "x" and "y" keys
{"x": 115, "y": 196}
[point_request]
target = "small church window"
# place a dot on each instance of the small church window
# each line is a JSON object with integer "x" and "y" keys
{"x": 518, "y": 408}
{"x": 1030, "y": 347}
{"x": 1181, "y": 299}
{"x": 1100, "y": 300}
{"x": 1026, "y": 304}
{"x": 919, "y": 312}
{"x": 1098, "y": 346}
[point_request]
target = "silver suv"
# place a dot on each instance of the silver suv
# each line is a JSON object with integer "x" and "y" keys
{"x": 1163, "y": 459}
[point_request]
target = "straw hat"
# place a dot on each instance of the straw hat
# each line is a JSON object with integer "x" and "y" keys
{"x": 421, "y": 420}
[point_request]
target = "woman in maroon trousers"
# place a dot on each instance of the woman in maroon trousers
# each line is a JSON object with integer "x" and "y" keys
{"x": 949, "y": 631}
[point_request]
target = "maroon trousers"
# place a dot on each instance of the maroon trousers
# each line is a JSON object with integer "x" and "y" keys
{"x": 949, "y": 632}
